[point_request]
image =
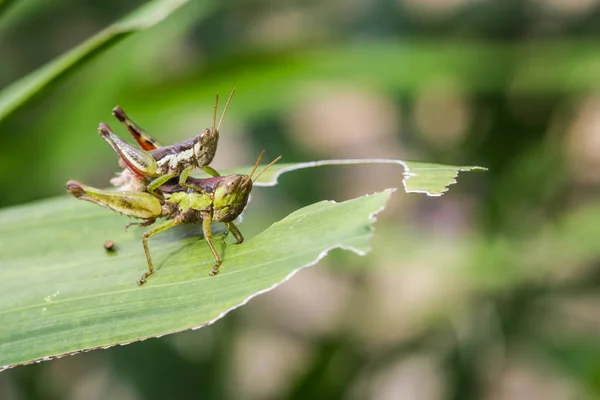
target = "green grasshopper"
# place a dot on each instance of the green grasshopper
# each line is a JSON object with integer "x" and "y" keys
{"x": 150, "y": 167}
{"x": 219, "y": 199}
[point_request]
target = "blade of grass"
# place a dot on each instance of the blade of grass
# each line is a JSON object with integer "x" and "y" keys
{"x": 146, "y": 16}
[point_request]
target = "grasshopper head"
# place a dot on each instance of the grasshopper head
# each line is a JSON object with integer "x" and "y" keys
{"x": 232, "y": 193}
{"x": 230, "y": 197}
{"x": 205, "y": 146}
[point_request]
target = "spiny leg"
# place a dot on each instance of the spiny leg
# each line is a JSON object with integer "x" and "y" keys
{"x": 145, "y": 141}
{"x": 236, "y": 232}
{"x": 208, "y": 237}
{"x": 145, "y": 223}
{"x": 147, "y": 235}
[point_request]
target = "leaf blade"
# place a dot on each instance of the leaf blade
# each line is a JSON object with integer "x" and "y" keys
{"x": 67, "y": 295}
{"x": 418, "y": 177}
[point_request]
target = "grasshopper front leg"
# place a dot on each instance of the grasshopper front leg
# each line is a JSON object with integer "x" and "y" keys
{"x": 236, "y": 232}
{"x": 158, "y": 182}
{"x": 210, "y": 170}
{"x": 184, "y": 176}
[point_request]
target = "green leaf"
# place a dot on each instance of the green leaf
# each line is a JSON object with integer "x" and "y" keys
{"x": 61, "y": 292}
{"x": 146, "y": 16}
{"x": 418, "y": 177}
{"x": 5, "y": 5}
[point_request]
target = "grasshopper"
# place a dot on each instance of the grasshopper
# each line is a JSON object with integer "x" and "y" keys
{"x": 150, "y": 167}
{"x": 219, "y": 199}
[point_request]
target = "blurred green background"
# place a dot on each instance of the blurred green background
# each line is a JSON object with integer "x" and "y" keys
{"x": 489, "y": 292}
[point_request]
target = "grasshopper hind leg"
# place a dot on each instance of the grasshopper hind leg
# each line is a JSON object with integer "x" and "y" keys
{"x": 145, "y": 223}
{"x": 134, "y": 204}
{"x": 141, "y": 163}
{"x": 145, "y": 141}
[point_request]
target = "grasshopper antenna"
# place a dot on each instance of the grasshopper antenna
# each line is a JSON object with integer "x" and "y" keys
{"x": 224, "y": 110}
{"x": 215, "y": 112}
{"x": 255, "y": 167}
{"x": 265, "y": 168}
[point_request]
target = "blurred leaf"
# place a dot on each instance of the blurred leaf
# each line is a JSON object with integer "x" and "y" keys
{"x": 4, "y": 6}
{"x": 61, "y": 292}
{"x": 564, "y": 246}
{"x": 146, "y": 16}
{"x": 578, "y": 356}
{"x": 274, "y": 82}
{"x": 419, "y": 177}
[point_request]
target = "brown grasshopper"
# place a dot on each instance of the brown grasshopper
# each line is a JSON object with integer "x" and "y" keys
{"x": 219, "y": 199}
{"x": 150, "y": 167}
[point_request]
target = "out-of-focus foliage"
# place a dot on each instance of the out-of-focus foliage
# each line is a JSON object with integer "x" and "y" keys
{"x": 490, "y": 291}
{"x": 15, "y": 95}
